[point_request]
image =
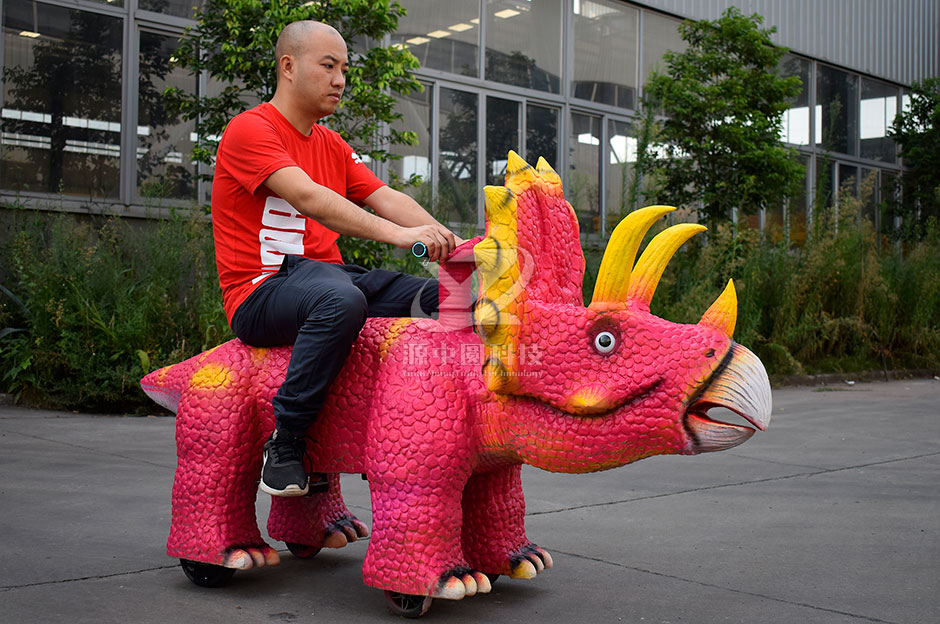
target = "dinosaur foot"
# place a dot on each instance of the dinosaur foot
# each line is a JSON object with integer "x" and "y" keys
{"x": 250, "y": 557}
{"x": 529, "y": 561}
{"x": 460, "y": 582}
{"x": 343, "y": 531}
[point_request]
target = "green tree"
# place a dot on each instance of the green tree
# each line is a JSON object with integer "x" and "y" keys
{"x": 723, "y": 99}
{"x": 233, "y": 42}
{"x": 917, "y": 131}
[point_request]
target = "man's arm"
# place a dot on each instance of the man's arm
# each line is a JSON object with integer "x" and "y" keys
{"x": 334, "y": 211}
{"x": 402, "y": 209}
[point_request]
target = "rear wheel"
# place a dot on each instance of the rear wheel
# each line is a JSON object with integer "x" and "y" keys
{"x": 407, "y": 605}
{"x": 207, "y": 574}
{"x": 302, "y": 551}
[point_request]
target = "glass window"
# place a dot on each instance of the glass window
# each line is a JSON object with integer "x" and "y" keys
{"x": 795, "y": 126}
{"x": 888, "y": 205}
{"x": 415, "y": 109}
{"x": 848, "y": 180}
{"x": 620, "y": 171}
{"x": 877, "y": 107}
{"x": 584, "y": 159}
{"x": 541, "y": 124}
{"x": 825, "y": 172}
{"x": 61, "y": 100}
{"x": 660, "y": 34}
{"x": 605, "y": 51}
{"x": 502, "y": 135}
{"x": 797, "y": 207}
{"x": 179, "y": 8}
{"x": 836, "y": 110}
{"x": 523, "y": 43}
{"x": 165, "y": 167}
{"x": 868, "y": 193}
{"x": 443, "y": 34}
{"x": 457, "y": 182}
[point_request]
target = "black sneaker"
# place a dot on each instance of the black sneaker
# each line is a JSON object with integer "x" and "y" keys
{"x": 283, "y": 472}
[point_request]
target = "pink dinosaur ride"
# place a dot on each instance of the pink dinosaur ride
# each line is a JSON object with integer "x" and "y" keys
{"x": 440, "y": 415}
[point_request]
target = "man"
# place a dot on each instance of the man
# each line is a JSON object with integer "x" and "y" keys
{"x": 284, "y": 188}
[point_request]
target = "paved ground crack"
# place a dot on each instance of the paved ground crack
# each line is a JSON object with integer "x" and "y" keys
{"x": 84, "y": 578}
{"x": 721, "y": 587}
{"x": 799, "y": 475}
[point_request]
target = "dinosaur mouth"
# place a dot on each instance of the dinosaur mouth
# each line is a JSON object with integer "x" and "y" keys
{"x": 741, "y": 386}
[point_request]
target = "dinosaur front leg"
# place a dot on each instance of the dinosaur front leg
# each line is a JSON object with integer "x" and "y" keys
{"x": 218, "y": 462}
{"x": 416, "y": 543}
{"x": 320, "y": 520}
{"x": 494, "y": 537}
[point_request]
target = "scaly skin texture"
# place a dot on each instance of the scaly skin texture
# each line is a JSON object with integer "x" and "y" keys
{"x": 441, "y": 414}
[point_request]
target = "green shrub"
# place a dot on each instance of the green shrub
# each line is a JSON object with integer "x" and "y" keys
{"x": 104, "y": 302}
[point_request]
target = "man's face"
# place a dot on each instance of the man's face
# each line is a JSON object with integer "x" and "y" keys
{"x": 320, "y": 74}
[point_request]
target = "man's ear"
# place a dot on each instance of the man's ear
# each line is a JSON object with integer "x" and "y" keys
{"x": 285, "y": 65}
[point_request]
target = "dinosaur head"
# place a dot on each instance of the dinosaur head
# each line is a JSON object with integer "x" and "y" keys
{"x": 581, "y": 388}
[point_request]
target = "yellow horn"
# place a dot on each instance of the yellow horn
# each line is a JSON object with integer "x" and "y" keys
{"x": 516, "y": 164}
{"x": 649, "y": 268}
{"x": 613, "y": 277}
{"x": 499, "y": 204}
{"x": 543, "y": 167}
{"x": 723, "y": 314}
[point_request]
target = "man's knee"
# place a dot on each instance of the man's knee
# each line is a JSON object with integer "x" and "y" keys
{"x": 340, "y": 305}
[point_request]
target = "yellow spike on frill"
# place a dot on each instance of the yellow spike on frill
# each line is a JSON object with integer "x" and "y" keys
{"x": 519, "y": 174}
{"x": 496, "y": 312}
{"x": 613, "y": 277}
{"x": 723, "y": 314}
{"x": 543, "y": 168}
{"x": 649, "y": 268}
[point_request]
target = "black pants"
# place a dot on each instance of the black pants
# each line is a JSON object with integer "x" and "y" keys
{"x": 320, "y": 308}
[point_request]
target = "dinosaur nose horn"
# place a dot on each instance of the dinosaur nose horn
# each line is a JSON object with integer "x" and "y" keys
{"x": 723, "y": 314}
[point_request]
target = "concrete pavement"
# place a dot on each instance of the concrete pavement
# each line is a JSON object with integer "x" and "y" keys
{"x": 831, "y": 516}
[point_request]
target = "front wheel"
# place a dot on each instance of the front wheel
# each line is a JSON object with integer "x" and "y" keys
{"x": 207, "y": 574}
{"x": 407, "y": 605}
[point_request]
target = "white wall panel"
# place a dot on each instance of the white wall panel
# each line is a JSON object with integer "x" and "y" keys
{"x": 898, "y": 40}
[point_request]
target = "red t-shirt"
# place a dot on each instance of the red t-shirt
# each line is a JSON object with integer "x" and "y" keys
{"x": 254, "y": 228}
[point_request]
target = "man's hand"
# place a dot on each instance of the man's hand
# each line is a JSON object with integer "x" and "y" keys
{"x": 438, "y": 239}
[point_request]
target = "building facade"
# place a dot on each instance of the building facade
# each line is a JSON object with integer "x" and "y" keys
{"x": 84, "y": 127}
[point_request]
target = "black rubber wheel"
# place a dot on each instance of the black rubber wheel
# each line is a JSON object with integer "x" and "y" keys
{"x": 207, "y": 574}
{"x": 407, "y": 605}
{"x": 493, "y": 578}
{"x": 302, "y": 551}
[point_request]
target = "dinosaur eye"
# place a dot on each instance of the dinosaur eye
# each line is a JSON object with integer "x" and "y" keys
{"x": 605, "y": 342}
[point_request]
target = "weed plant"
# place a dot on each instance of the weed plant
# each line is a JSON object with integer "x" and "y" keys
{"x": 104, "y": 301}
{"x": 834, "y": 305}
{"x": 88, "y": 306}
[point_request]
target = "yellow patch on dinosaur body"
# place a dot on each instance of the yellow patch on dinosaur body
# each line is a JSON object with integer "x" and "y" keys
{"x": 212, "y": 376}
{"x": 259, "y": 355}
{"x": 206, "y": 354}
{"x": 392, "y": 334}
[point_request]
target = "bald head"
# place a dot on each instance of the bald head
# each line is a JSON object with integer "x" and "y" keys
{"x": 297, "y": 36}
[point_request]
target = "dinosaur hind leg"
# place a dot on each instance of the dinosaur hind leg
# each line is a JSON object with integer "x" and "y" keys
{"x": 320, "y": 520}
{"x": 218, "y": 464}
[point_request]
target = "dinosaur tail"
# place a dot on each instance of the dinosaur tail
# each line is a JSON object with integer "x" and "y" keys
{"x": 165, "y": 385}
